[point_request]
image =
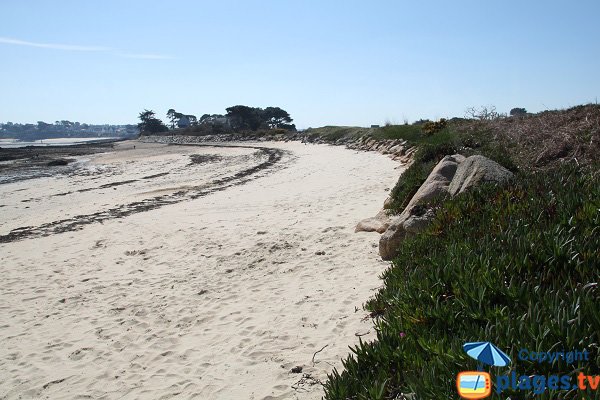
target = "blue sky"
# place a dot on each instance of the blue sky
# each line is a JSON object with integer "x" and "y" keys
{"x": 325, "y": 62}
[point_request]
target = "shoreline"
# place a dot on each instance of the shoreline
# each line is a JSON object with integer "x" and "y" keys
{"x": 29, "y": 162}
{"x": 14, "y": 143}
{"x": 272, "y": 157}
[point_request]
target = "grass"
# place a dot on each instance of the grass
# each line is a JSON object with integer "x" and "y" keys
{"x": 517, "y": 266}
{"x": 334, "y": 133}
{"x": 410, "y": 133}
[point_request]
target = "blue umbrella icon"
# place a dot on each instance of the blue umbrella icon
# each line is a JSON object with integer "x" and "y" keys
{"x": 487, "y": 353}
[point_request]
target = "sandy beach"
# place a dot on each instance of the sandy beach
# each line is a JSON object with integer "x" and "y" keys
{"x": 188, "y": 271}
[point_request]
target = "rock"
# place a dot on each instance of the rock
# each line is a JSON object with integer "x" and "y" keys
{"x": 438, "y": 181}
{"x": 378, "y": 223}
{"x": 475, "y": 170}
{"x": 296, "y": 370}
{"x": 59, "y": 162}
{"x": 418, "y": 223}
{"x": 404, "y": 225}
{"x": 392, "y": 237}
{"x": 397, "y": 149}
{"x": 452, "y": 175}
{"x": 415, "y": 219}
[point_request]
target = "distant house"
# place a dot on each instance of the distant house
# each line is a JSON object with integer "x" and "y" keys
{"x": 374, "y": 126}
{"x": 222, "y": 120}
{"x": 183, "y": 122}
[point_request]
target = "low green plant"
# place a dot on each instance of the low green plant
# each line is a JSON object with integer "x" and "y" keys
{"x": 410, "y": 133}
{"x": 413, "y": 134}
{"x": 515, "y": 265}
{"x": 408, "y": 184}
{"x": 425, "y": 158}
{"x": 334, "y": 133}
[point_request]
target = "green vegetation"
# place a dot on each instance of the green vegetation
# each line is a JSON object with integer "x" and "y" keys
{"x": 514, "y": 265}
{"x": 62, "y": 129}
{"x": 408, "y": 184}
{"x": 174, "y": 117}
{"x": 239, "y": 119}
{"x": 410, "y": 133}
{"x": 243, "y": 118}
{"x": 429, "y": 128}
{"x": 333, "y": 133}
{"x": 431, "y": 148}
{"x": 518, "y": 112}
{"x": 150, "y": 124}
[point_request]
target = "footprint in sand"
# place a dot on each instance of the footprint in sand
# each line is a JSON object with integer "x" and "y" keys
{"x": 79, "y": 353}
{"x": 136, "y": 252}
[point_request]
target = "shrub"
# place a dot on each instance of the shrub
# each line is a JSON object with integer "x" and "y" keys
{"x": 429, "y": 128}
{"x": 518, "y": 112}
{"x": 517, "y": 266}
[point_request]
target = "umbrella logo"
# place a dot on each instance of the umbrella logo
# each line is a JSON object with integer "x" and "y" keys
{"x": 478, "y": 384}
{"x": 487, "y": 353}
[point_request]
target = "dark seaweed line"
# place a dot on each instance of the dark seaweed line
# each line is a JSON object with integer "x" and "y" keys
{"x": 79, "y": 221}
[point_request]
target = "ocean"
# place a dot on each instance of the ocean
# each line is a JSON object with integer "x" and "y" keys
{"x": 14, "y": 143}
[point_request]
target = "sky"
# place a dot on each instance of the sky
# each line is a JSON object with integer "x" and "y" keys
{"x": 326, "y": 62}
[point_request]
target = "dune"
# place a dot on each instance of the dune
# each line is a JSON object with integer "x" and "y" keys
{"x": 232, "y": 285}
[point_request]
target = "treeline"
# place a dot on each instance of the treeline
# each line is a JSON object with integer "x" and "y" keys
{"x": 238, "y": 118}
{"x": 64, "y": 128}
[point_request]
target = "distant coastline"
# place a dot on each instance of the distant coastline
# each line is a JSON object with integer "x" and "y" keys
{"x": 66, "y": 141}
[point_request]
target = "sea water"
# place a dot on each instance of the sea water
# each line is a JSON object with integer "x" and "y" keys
{"x": 14, "y": 143}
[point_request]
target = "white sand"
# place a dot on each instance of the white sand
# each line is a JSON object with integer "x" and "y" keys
{"x": 213, "y": 298}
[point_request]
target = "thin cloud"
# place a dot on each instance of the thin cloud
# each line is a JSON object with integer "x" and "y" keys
{"x": 145, "y": 56}
{"x": 69, "y": 47}
{"x": 54, "y": 46}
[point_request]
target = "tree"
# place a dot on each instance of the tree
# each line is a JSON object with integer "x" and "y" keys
{"x": 150, "y": 124}
{"x": 518, "y": 112}
{"x": 193, "y": 120}
{"x": 210, "y": 118}
{"x": 485, "y": 113}
{"x": 175, "y": 116}
{"x": 244, "y": 117}
{"x": 43, "y": 126}
{"x": 172, "y": 116}
{"x": 275, "y": 117}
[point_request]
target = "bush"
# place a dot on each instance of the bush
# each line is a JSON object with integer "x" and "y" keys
{"x": 434, "y": 152}
{"x": 517, "y": 266}
{"x": 429, "y": 128}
